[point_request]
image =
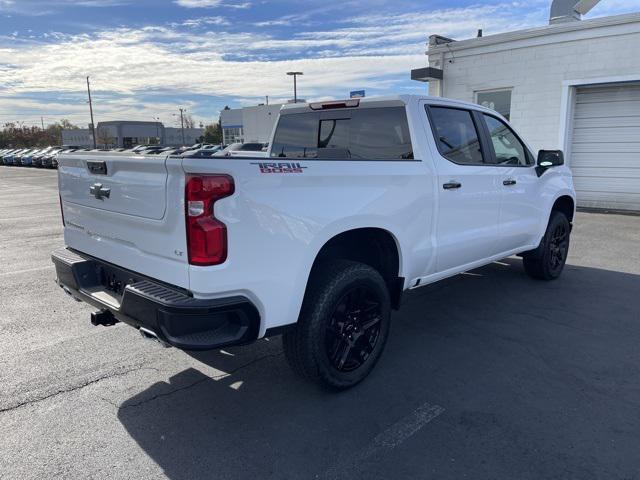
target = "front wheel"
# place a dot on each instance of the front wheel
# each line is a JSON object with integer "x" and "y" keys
{"x": 548, "y": 260}
{"x": 343, "y": 326}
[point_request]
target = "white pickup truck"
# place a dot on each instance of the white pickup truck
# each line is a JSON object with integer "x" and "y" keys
{"x": 358, "y": 201}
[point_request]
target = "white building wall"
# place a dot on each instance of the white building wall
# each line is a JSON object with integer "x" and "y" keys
{"x": 536, "y": 69}
{"x": 255, "y": 123}
{"x": 258, "y": 122}
{"x": 232, "y": 128}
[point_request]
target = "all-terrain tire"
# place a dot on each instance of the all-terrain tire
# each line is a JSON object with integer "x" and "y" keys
{"x": 329, "y": 325}
{"x": 547, "y": 261}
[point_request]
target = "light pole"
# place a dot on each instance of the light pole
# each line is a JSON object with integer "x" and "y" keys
{"x": 182, "y": 111}
{"x": 295, "y": 84}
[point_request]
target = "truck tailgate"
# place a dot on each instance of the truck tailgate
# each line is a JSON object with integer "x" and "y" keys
{"x": 116, "y": 209}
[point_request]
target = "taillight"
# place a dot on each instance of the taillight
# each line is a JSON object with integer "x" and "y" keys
{"x": 206, "y": 235}
{"x": 61, "y": 210}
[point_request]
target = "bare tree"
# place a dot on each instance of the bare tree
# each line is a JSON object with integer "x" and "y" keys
{"x": 189, "y": 122}
{"x": 104, "y": 138}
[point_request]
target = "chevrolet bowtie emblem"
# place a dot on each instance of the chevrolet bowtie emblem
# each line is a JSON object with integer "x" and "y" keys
{"x": 100, "y": 192}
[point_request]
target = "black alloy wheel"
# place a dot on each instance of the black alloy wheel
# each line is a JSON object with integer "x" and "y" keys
{"x": 558, "y": 247}
{"x": 547, "y": 261}
{"x": 354, "y": 329}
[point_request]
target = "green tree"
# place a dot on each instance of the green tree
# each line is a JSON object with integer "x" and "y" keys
{"x": 213, "y": 133}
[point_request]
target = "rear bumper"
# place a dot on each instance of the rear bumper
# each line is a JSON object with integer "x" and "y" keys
{"x": 171, "y": 313}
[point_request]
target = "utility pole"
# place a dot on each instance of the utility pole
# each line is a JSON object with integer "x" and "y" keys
{"x": 42, "y": 122}
{"x": 267, "y": 97}
{"x": 182, "y": 110}
{"x": 93, "y": 126}
{"x": 295, "y": 84}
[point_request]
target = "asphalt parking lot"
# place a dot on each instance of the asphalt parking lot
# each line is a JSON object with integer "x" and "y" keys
{"x": 486, "y": 375}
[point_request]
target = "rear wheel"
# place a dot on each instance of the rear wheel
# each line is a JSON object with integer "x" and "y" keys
{"x": 343, "y": 325}
{"x": 548, "y": 260}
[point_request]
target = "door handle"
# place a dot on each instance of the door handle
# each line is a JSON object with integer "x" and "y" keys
{"x": 509, "y": 182}
{"x": 451, "y": 185}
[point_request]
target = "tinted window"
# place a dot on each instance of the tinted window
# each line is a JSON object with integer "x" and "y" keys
{"x": 334, "y": 139}
{"x": 251, "y": 147}
{"x": 456, "y": 135}
{"x": 509, "y": 150}
{"x": 367, "y": 133}
{"x": 296, "y": 136}
{"x": 381, "y": 133}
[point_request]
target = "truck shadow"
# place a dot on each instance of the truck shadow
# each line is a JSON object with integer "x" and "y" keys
{"x": 533, "y": 376}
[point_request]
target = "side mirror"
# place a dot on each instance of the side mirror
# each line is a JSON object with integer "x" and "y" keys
{"x": 548, "y": 159}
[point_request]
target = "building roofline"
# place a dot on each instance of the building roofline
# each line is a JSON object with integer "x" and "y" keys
{"x": 115, "y": 123}
{"x": 535, "y": 32}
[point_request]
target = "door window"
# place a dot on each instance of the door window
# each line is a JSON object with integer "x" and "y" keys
{"x": 508, "y": 148}
{"x": 456, "y": 135}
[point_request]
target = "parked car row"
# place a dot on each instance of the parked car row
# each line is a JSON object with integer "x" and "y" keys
{"x": 251, "y": 149}
{"x": 47, "y": 157}
{"x": 34, "y": 157}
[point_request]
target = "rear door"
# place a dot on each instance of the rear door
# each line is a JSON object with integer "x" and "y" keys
{"x": 128, "y": 210}
{"x": 468, "y": 189}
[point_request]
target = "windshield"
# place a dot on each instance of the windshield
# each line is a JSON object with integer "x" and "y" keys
{"x": 251, "y": 147}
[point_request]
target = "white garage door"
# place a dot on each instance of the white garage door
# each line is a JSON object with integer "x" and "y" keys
{"x": 605, "y": 148}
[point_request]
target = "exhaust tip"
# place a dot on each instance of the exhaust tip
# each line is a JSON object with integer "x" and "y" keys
{"x": 151, "y": 335}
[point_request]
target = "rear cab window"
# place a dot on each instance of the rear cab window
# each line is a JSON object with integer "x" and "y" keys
{"x": 457, "y": 135}
{"x": 376, "y": 133}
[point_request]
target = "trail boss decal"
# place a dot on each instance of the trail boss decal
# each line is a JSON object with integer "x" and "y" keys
{"x": 280, "y": 167}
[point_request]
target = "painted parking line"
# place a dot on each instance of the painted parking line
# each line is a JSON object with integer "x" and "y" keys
{"x": 385, "y": 441}
{"x": 27, "y": 270}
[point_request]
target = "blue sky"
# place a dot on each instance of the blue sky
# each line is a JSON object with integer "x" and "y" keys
{"x": 146, "y": 58}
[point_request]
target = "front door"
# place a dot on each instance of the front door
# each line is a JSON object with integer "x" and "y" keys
{"x": 469, "y": 189}
{"x": 520, "y": 211}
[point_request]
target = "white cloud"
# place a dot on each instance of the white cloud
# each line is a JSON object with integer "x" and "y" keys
{"x": 202, "y": 21}
{"x": 128, "y": 61}
{"x": 613, "y": 7}
{"x": 198, "y": 3}
{"x": 370, "y": 51}
{"x": 47, "y": 7}
{"x": 210, "y": 4}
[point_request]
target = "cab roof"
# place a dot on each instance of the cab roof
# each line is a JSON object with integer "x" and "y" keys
{"x": 379, "y": 101}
